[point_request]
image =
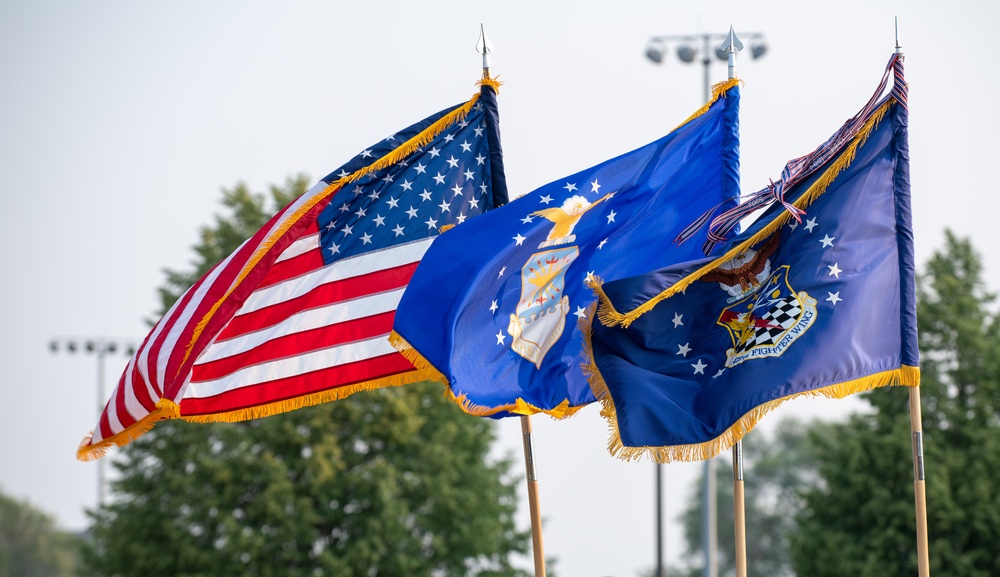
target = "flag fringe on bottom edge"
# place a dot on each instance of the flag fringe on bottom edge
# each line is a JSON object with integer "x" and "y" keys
{"x": 609, "y": 316}
{"x": 167, "y": 409}
{"x": 905, "y": 375}
{"x": 427, "y": 371}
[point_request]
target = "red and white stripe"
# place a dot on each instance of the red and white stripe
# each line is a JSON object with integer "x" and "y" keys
{"x": 276, "y": 326}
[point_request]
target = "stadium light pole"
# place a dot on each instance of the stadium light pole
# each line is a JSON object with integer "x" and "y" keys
{"x": 687, "y": 48}
{"x": 101, "y": 347}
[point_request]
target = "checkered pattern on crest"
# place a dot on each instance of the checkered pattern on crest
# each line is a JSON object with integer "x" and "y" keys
{"x": 779, "y": 318}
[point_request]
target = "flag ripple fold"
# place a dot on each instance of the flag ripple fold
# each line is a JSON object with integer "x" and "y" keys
{"x": 688, "y": 358}
{"x": 301, "y": 312}
{"x": 493, "y": 308}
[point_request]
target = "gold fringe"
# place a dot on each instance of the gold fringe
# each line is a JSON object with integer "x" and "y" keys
{"x": 609, "y": 316}
{"x": 493, "y": 83}
{"x": 397, "y": 154}
{"x": 165, "y": 409}
{"x": 906, "y": 376}
{"x": 718, "y": 91}
{"x": 427, "y": 371}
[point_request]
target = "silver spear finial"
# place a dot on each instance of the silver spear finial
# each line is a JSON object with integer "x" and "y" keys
{"x": 484, "y": 47}
{"x": 732, "y": 45}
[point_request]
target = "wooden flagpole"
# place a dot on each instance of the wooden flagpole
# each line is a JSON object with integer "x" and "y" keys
{"x": 916, "y": 427}
{"x": 919, "y": 490}
{"x": 739, "y": 511}
{"x": 537, "y": 549}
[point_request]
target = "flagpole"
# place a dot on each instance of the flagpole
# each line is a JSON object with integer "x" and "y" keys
{"x": 739, "y": 512}
{"x": 733, "y": 45}
{"x": 916, "y": 428}
{"x": 537, "y": 549}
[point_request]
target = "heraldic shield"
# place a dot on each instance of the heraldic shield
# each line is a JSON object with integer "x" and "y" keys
{"x": 768, "y": 320}
{"x": 541, "y": 312}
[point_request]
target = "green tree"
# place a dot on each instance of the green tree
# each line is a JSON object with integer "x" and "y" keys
{"x": 388, "y": 482}
{"x": 860, "y": 520}
{"x": 777, "y": 468}
{"x": 31, "y": 545}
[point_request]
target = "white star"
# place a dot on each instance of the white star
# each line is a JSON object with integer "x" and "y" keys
{"x": 594, "y": 187}
{"x": 426, "y": 194}
{"x": 810, "y": 224}
{"x": 479, "y": 130}
{"x": 460, "y": 218}
{"x": 570, "y": 186}
{"x": 366, "y": 153}
{"x": 445, "y": 207}
{"x": 601, "y": 244}
{"x": 474, "y": 202}
{"x": 518, "y": 239}
{"x": 502, "y": 270}
{"x": 452, "y": 161}
{"x": 699, "y": 367}
{"x": 457, "y": 190}
{"x": 527, "y": 220}
{"x": 398, "y": 230}
{"x": 480, "y": 159}
{"x": 580, "y": 312}
{"x": 393, "y": 203}
{"x": 683, "y": 350}
{"x": 590, "y": 277}
{"x": 468, "y": 175}
{"x": 431, "y": 223}
{"x": 361, "y": 212}
{"x": 793, "y": 225}
{"x": 434, "y": 152}
{"x": 334, "y": 249}
{"x": 827, "y": 240}
{"x": 463, "y": 123}
{"x": 678, "y": 320}
{"x": 483, "y": 187}
{"x": 373, "y": 195}
{"x": 834, "y": 270}
{"x": 343, "y": 173}
{"x": 407, "y": 185}
{"x": 365, "y": 239}
{"x": 611, "y": 217}
{"x": 412, "y": 212}
{"x": 344, "y": 207}
{"x": 347, "y": 230}
{"x": 545, "y": 199}
{"x": 379, "y": 220}
{"x": 466, "y": 147}
{"x": 439, "y": 178}
{"x": 500, "y": 337}
{"x": 834, "y": 298}
{"x": 387, "y": 177}
{"x": 357, "y": 190}
{"x": 420, "y": 168}
{"x": 493, "y": 307}
{"x": 330, "y": 225}
{"x": 450, "y": 137}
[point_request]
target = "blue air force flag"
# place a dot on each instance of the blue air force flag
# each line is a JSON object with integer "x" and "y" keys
{"x": 493, "y": 307}
{"x": 820, "y": 307}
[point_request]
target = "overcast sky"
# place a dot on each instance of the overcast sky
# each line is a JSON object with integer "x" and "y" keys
{"x": 120, "y": 122}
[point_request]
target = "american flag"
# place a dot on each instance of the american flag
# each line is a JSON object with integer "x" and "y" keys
{"x": 301, "y": 312}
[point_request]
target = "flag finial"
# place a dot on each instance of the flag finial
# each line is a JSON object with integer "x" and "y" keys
{"x": 899, "y": 48}
{"x": 731, "y": 46}
{"x": 484, "y": 47}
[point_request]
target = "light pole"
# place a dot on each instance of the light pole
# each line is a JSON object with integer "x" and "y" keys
{"x": 687, "y": 47}
{"x": 101, "y": 347}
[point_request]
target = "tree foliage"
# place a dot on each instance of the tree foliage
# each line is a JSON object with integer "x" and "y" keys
{"x": 861, "y": 520}
{"x": 387, "y": 482}
{"x": 31, "y": 545}
{"x": 777, "y": 467}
